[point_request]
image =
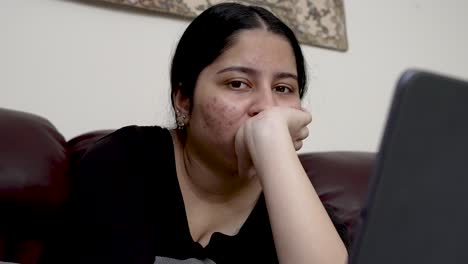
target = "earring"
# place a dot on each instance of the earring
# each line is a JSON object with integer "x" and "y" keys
{"x": 180, "y": 120}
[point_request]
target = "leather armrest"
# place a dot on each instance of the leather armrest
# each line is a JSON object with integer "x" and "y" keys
{"x": 341, "y": 181}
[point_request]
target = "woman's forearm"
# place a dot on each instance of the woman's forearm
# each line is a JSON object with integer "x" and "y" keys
{"x": 302, "y": 229}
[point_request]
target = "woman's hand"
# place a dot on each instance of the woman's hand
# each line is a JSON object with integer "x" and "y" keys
{"x": 267, "y": 132}
{"x": 266, "y": 146}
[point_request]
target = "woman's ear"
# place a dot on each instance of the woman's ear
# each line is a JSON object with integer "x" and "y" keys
{"x": 182, "y": 108}
{"x": 181, "y": 103}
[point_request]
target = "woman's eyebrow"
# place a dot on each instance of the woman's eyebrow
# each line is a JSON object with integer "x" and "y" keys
{"x": 239, "y": 69}
{"x": 284, "y": 75}
{"x": 250, "y": 71}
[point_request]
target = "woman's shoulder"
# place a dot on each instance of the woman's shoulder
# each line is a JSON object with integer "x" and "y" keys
{"x": 125, "y": 156}
{"x": 135, "y": 133}
{"x": 133, "y": 136}
{"x": 130, "y": 141}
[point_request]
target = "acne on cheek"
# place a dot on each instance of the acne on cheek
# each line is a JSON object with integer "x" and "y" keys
{"x": 219, "y": 116}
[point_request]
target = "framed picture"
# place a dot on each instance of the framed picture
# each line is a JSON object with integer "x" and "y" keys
{"x": 318, "y": 23}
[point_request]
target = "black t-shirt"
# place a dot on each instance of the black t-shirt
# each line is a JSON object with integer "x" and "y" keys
{"x": 127, "y": 207}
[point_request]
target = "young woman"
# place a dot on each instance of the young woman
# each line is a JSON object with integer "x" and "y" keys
{"x": 226, "y": 186}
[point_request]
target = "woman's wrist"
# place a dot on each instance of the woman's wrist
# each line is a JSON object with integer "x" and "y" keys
{"x": 271, "y": 149}
{"x": 268, "y": 138}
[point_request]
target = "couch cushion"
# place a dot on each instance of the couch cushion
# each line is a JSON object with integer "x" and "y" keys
{"x": 33, "y": 183}
{"x": 33, "y": 165}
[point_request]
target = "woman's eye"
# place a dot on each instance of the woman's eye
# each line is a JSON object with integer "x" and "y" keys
{"x": 237, "y": 84}
{"x": 283, "y": 89}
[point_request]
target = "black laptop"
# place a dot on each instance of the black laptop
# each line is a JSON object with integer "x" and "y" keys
{"x": 417, "y": 207}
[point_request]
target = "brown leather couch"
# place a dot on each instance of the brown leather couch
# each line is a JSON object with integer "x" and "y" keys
{"x": 36, "y": 164}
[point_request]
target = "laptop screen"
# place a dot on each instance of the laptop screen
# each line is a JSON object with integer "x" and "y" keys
{"x": 417, "y": 208}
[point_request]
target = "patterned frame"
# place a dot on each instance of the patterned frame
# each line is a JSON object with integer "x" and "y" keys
{"x": 318, "y": 23}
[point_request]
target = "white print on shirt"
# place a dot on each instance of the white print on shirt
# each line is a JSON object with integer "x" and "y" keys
{"x": 165, "y": 260}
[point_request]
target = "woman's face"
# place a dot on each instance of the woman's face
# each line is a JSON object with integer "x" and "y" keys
{"x": 254, "y": 74}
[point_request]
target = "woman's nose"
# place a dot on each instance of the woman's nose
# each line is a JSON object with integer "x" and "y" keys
{"x": 262, "y": 99}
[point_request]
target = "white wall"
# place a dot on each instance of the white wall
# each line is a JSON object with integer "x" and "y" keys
{"x": 87, "y": 66}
